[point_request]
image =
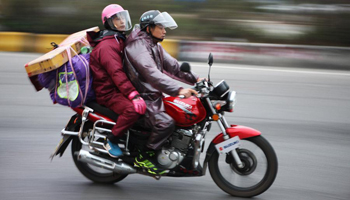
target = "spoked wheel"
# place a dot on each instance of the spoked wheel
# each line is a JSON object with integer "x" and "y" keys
{"x": 96, "y": 174}
{"x": 257, "y": 174}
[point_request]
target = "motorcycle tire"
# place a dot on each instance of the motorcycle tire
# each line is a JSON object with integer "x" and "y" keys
{"x": 91, "y": 172}
{"x": 263, "y": 162}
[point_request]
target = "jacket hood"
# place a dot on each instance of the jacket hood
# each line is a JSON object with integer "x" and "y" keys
{"x": 137, "y": 34}
{"x": 96, "y": 37}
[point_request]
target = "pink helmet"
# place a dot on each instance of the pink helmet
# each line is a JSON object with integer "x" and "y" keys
{"x": 116, "y": 10}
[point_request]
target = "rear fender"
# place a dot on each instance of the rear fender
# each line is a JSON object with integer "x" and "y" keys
{"x": 72, "y": 125}
{"x": 235, "y": 130}
{"x": 62, "y": 145}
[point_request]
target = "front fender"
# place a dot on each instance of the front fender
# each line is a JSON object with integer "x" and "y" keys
{"x": 235, "y": 130}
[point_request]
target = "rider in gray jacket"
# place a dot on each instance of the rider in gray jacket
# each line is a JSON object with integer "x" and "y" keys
{"x": 152, "y": 72}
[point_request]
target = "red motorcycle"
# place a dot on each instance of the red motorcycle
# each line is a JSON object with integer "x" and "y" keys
{"x": 241, "y": 161}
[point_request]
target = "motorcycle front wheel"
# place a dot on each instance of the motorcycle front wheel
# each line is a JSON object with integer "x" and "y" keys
{"x": 95, "y": 174}
{"x": 259, "y": 170}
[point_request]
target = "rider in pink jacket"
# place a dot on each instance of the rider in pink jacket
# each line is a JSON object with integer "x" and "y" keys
{"x": 112, "y": 87}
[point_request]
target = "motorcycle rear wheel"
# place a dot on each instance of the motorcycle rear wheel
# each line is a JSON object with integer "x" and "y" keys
{"x": 258, "y": 174}
{"x": 95, "y": 174}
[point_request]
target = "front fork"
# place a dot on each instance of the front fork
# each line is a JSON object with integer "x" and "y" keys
{"x": 223, "y": 126}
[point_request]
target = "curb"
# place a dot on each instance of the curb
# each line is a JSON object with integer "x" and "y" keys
{"x": 41, "y": 43}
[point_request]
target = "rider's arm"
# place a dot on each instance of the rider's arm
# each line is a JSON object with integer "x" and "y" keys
{"x": 172, "y": 69}
{"x": 140, "y": 58}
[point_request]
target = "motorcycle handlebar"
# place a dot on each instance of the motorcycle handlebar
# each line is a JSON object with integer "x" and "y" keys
{"x": 202, "y": 87}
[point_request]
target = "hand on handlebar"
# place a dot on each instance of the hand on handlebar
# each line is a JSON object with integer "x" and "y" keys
{"x": 201, "y": 79}
{"x": 187, "y": 92}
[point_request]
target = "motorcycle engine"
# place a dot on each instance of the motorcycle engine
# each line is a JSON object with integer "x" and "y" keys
{"x": 170, "y": 156}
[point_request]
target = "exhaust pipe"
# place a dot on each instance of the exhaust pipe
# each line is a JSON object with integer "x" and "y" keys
{"x": 118, "y": 167}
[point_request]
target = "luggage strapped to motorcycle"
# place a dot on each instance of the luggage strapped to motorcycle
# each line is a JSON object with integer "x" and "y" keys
{"x": 69, "y": 50}
{"x": 70, "y": 84}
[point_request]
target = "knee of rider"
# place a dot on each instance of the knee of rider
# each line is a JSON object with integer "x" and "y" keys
{"x": 168, "y": 125}
{"x": 132, "y": 112}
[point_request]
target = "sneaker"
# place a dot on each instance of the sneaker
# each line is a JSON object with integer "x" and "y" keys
{"x": 146, "y": 161}
{"x": 112, "y": 149}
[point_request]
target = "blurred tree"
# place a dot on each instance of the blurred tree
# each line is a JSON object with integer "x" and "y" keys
{"x": 227, "y": 20}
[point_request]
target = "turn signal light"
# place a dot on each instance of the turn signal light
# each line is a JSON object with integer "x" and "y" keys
{"x": 218, "y": 106}
{"x": 215, "y": 117}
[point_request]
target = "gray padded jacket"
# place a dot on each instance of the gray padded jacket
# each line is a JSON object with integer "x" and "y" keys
{"x": 152, "y": 70}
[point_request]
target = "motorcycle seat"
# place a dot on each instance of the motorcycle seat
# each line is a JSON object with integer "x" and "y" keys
{"x": 99, "y": 109}
{"x": 102, "y": 110}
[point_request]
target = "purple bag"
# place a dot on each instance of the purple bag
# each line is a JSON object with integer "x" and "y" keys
{"x": 71, "y": 84}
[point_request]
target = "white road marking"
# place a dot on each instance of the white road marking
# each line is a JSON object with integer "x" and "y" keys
{"x": 229, "y": 66}
{"x": 276, "y": 69}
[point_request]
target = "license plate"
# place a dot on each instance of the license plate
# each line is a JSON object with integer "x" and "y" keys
{"x": 228, "y": 145}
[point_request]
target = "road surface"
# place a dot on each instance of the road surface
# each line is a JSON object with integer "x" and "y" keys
{"x": 304, "y": 113}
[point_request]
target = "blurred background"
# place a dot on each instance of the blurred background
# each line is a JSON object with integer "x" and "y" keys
{"x": 303, "y": 113}
{"x": 306, "y": 22}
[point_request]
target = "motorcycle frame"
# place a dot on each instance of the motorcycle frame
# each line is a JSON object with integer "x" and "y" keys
{"x": 228, "y": 131}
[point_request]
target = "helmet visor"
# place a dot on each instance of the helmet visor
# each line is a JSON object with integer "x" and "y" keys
{"x": 120, "y": 21}
{"x": 165, "y": 20}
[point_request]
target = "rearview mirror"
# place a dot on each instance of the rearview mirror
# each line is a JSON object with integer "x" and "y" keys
{"x": 210, "y": 59}
{"x": 185, "y": 67}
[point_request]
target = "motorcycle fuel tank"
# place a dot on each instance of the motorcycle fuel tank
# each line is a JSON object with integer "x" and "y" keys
{"x": 185, "y": 112}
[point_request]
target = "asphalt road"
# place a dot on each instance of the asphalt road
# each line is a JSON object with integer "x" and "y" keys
{"x": 305, "y": 114}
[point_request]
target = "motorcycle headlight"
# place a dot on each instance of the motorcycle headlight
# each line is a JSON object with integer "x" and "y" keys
{"x": 227, "y": 103}
{"x": 231, "y": 101}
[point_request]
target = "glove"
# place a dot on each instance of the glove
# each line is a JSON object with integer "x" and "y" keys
{"x": 139, "y": 103}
